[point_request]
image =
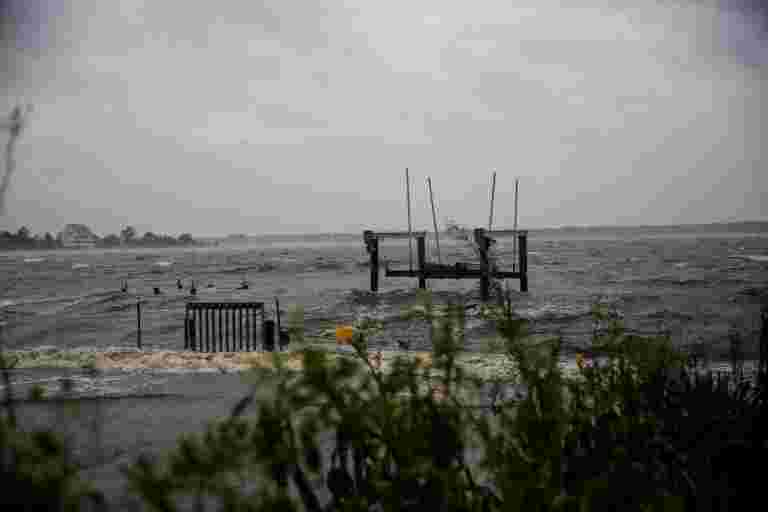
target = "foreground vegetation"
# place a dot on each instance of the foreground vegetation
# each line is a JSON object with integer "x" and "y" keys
{"x": 642, "y": 429}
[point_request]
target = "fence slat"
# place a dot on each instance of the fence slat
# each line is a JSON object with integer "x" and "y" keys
{"x": 221, "y": 328}
{"x": 228, "y": 325}
{"x": 247, "y": 331}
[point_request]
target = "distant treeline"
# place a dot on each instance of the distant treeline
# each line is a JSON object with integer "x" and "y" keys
{"x": 128, "y": 237}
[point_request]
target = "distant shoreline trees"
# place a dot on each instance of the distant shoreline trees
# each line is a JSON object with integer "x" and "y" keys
{"x": 128, "y": 237}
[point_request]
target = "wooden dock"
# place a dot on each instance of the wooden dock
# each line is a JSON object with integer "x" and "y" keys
{"x": 461, "y": 270}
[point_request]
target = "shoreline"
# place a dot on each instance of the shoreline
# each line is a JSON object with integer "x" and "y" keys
{"x": 486, "y": 365}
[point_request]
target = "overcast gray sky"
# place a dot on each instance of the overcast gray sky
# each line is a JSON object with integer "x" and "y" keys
{"x": 270, "y": 116}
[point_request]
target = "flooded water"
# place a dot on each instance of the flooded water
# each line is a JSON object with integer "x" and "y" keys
{"x": 699, "y": 285}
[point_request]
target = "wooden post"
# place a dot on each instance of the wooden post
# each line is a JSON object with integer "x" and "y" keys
{"x": 493, "y": 194}
{"x": 269, "y": 335}
{"x": 138, "y": 323}
{"x": 372, "y": 245}
{"x": 186, "y": 328}
{"x": 410, "y": 237}
{"x": 192, "y": 332}
{"x": 421, "y": 245}
{"x": 514, "y": 239}
{"x": 485, "y": 282}
{"x": 523, "y": 258}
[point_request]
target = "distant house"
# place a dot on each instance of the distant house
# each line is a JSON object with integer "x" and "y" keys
{"x": 77, "y": 236}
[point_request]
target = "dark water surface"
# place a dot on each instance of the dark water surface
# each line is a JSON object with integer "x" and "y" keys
{"x": 699, "y": 285}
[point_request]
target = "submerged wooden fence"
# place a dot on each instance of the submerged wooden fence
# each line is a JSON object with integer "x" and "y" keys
{"x": 227, "y": 327}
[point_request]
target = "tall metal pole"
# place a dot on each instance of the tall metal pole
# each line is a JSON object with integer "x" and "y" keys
{"x": 514, "y": 239}
{"x": 410, "y": 236}
{"x": 493, "y": 194}
{"x": 434, "y": 219}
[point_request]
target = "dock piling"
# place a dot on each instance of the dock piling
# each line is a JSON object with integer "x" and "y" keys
{"x": 421, "y": 246}
{"x": 483, "y": 244}
{"x": 372, "y": 246}
{"x": 138, "y": 323}
{"x": 522, "y": 240}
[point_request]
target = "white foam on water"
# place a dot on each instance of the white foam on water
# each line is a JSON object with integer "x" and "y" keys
{"x": 762, "y": 258}
{"x": 553, "y": 310}
{"x": 76, "y": 266}
{"x": 33, "y": 260}
{"x": 163, "y": 263}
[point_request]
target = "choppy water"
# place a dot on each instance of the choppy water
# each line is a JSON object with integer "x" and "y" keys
{"x": 699, "y": 285}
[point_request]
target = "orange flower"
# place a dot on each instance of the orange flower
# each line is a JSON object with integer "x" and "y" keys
{"x": 344, "y": 334}
{"x": 580, "y": 360}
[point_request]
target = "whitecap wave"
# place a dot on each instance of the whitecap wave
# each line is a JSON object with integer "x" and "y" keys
{"x": 554, "y": 311}
{"x": 761, "y": 258}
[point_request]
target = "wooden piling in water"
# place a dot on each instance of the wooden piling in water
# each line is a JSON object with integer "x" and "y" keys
{"x": 483, "y": 244}
{"x": 522, "y": 240}
{"x": 410, "y": 228}
{"x": 372, "y": 245}
{"x": 138, "y": 324}
{"x": 268, "y": 341}
{"x": 421, "y": 247}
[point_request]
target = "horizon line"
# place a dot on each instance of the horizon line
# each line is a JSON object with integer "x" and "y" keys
{"x": 548, "y": 228}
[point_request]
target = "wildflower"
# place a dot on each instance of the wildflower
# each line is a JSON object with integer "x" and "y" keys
{"x": 580, "y": 360}
{"x": 344, "y": 334}
{"x": 439, "y": 392}
{"x": 376, "y": 360}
